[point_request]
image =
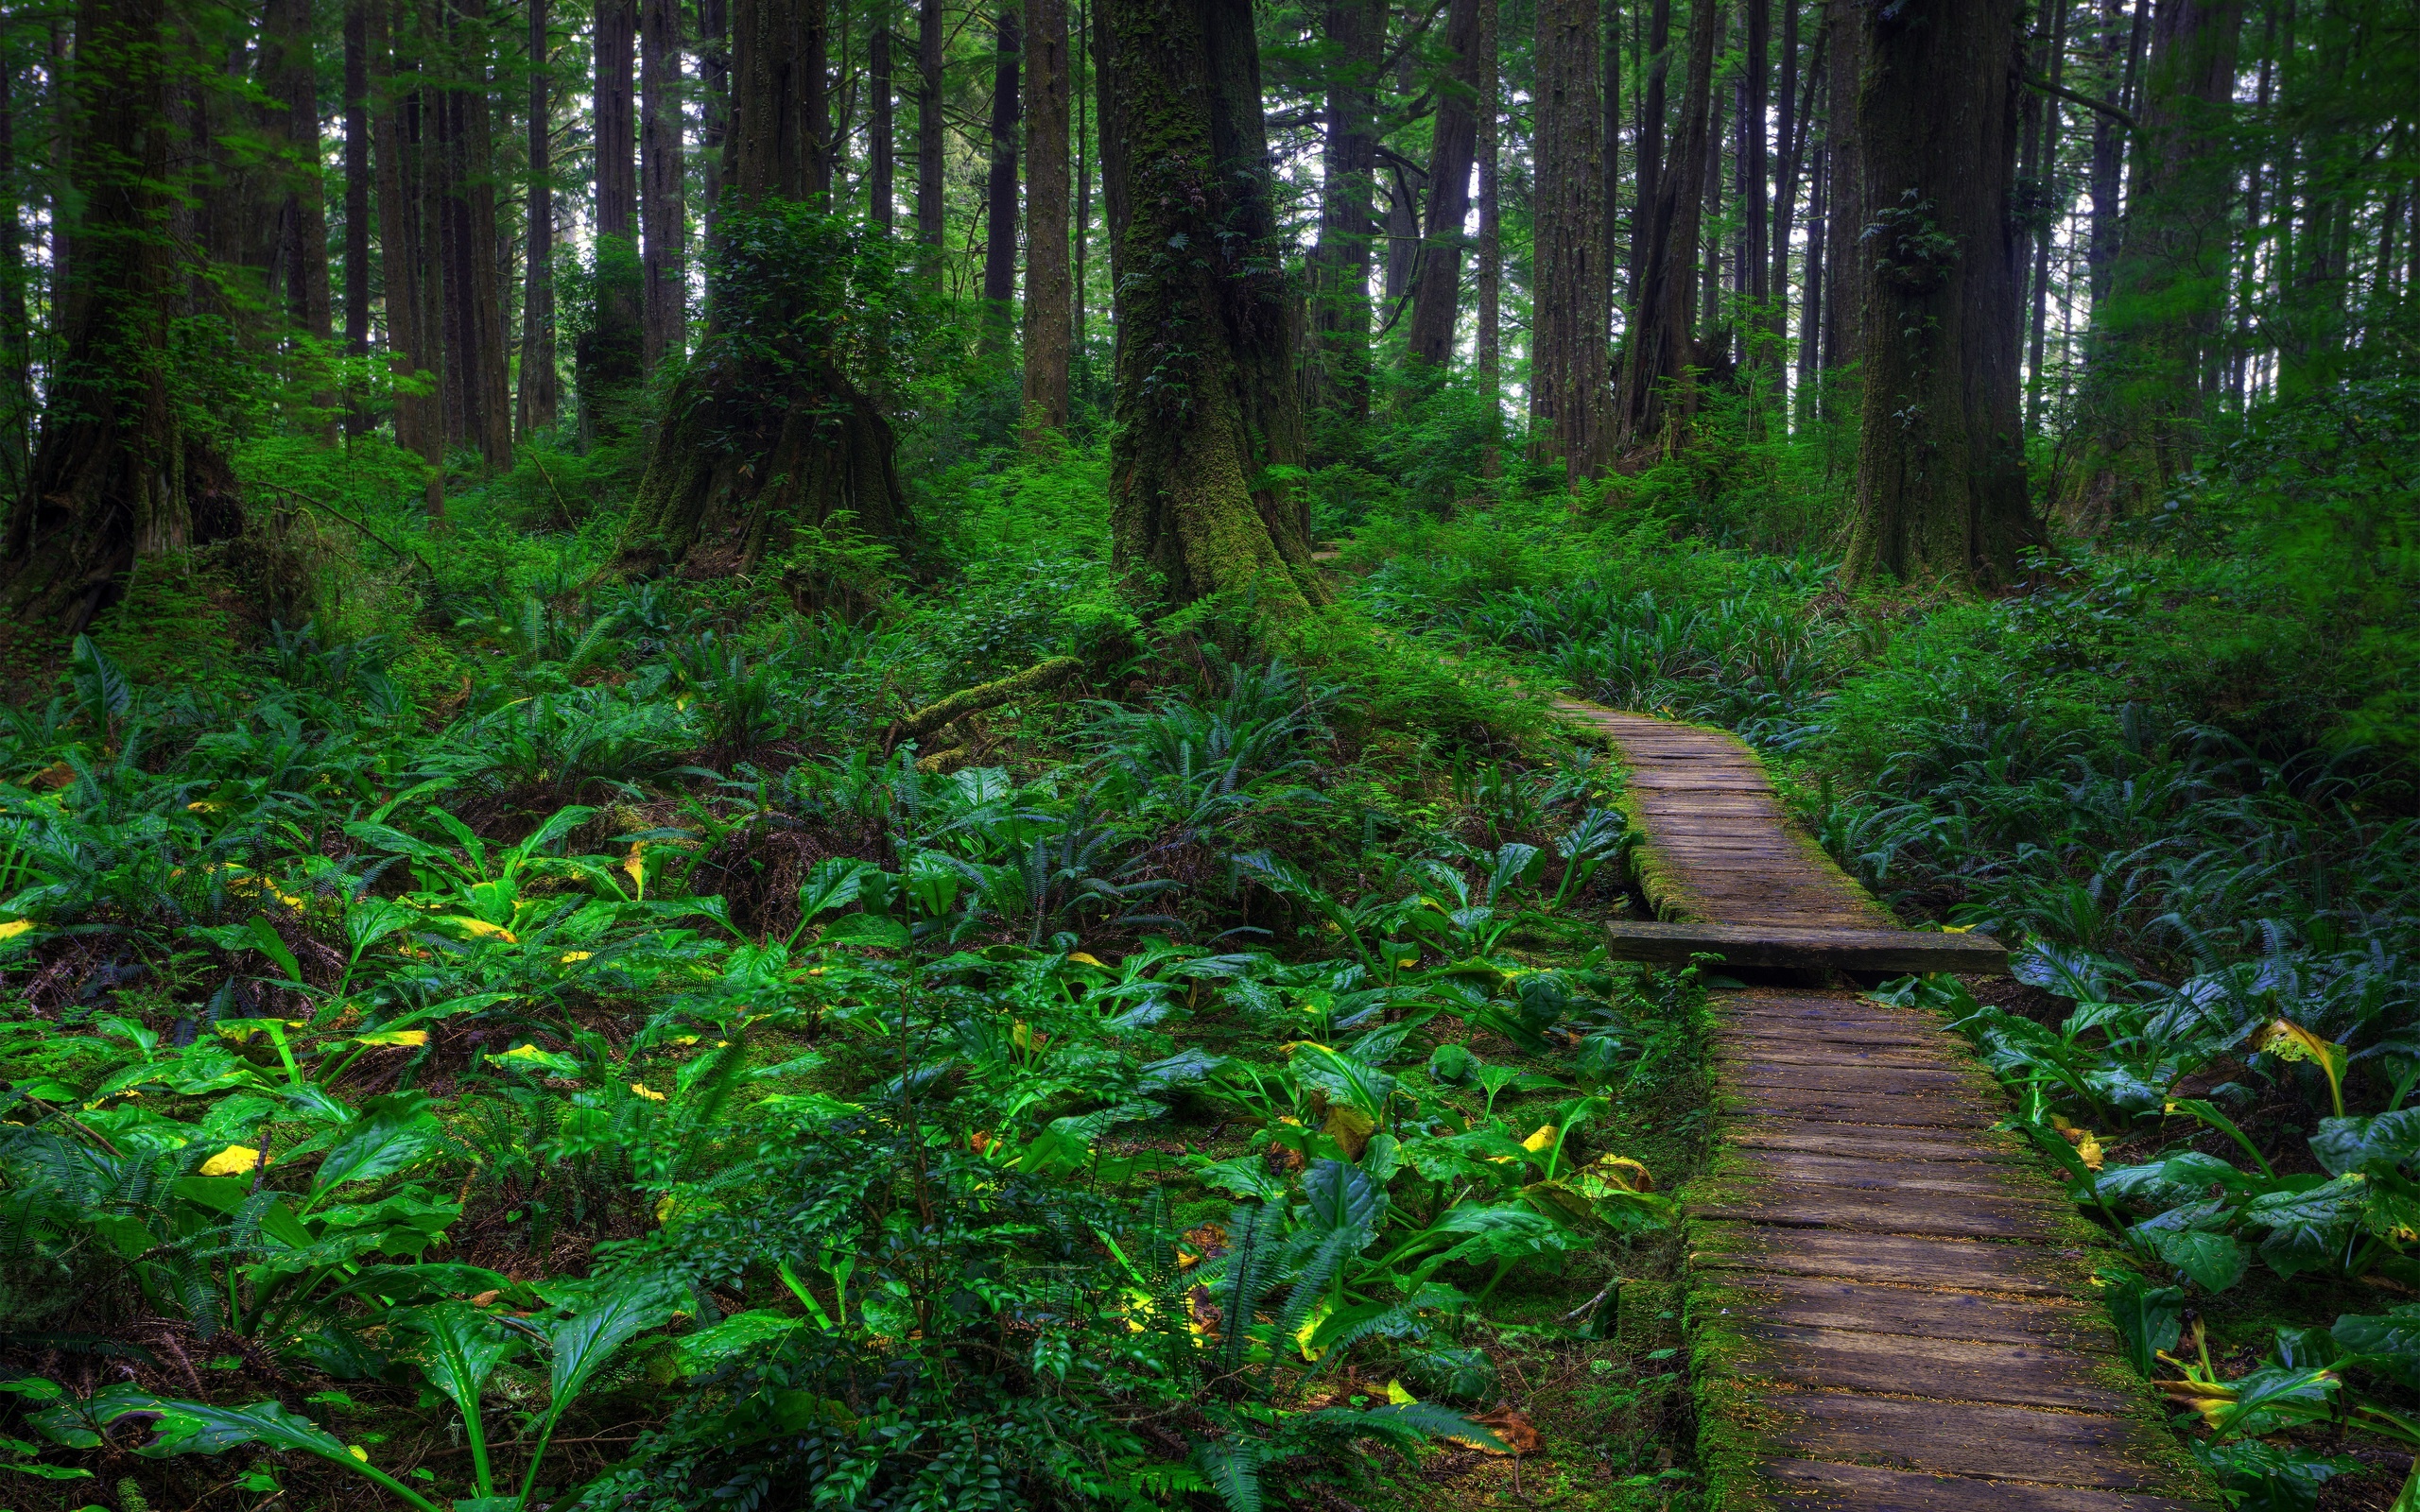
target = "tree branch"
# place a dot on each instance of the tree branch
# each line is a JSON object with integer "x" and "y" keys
{"x": 2085, "y": 100}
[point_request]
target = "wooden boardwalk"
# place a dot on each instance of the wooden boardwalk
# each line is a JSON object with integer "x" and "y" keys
{"x": 1889, "y": 1304}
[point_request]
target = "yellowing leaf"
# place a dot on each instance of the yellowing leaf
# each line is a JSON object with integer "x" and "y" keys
{"x": 234, "y": 1160}
{"x": 2088, "y": 1150}
{"x": 479, "y": 928}
{"x": 523, "y": 1052}
{"x": 1350, "y": 1128}
{"x": 2289, "y": 1041}
{"x": 664, "y": 1208}
{"x": 635, "y": 864}
{"x": 358, "y": 1452}
{"x": 640, "y": 1088}
{"x": 1544, "y": 1137}
{"x": 1021, "y": 1036}
{"x": 1397, "y": 1397}
{"x": 393, "y": 1037}
{"x": 15, "y": 927}
{"x": 1087, "y": 959}
{"x": 575, "y": 957}
{"x": 1311, "y": 1326}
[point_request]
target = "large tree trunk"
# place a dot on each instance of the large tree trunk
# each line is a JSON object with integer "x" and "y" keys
{"x": 1336, "y": 374}
{"x": 1000, "y": 184}
{"x": 540, "y": 395}
{"x": 663, "y": 210}
{"x": 1617, "y": 254}
{"x": 610, "y": 354}
{"x": 298, "y": 263}
{"x": 1941, "y": 458}
{"x": 882, "y": 130}
{"x": 1792, "y": 133}
{"x": 714, "y": 83}
{"x": 761, "y": 444}
{"x": 16, "y": 331}
{"x": 930, "y": 130}
{"x": 1658, "y": 391}
{"x": 115, "y": 477}
{"x": 1843, "y": 192}
{"x": 1436, "y": 300}
{"x": 1205, "y": 402}
{"x": 1488, "y": 345}
{"x": 357, "y": 196}
{"x": 479, "y": 393}
{"x": 1568, "y": 353}
{"x": 407, "y": 249}
{"x": 1651, "y": 140}
{"x": 1755, "y": 169}
{"x": 1048, "y": 297}
{"x": 2047, "y": 197}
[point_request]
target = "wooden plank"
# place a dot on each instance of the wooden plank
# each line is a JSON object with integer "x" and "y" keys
{"x": 1909, "y": 1146}
{"x": 1948, "y": 1216}
{"x": 1813, "y": 1302}
{"x": 1832, "y": 1171}
{"x": 1850, "y": 1109}
{"x": 1744, "y": 1048}
{"x": 1958, "y": 1264}
{"x": 1870, "y": 950}
{"x": 1889, "y": 1081}
{"x": 2020, "y": 1375}
{"x": 2047, "y": 1448}
{"x": 1819, "y": 1486}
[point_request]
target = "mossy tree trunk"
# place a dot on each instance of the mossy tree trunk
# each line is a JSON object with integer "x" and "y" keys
{"x": 1941, "y": 491}
{"x": 767, "y": 433}
{"x": 1569, "y": 393}
{"x": 1205, "y": 399}
{"x": 1658, "y": 393}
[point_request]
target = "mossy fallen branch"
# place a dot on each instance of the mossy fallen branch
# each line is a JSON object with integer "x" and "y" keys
{"x": 1039, "y": 678}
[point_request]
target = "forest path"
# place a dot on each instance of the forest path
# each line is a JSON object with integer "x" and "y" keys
{"x": 1887, "y": 1308}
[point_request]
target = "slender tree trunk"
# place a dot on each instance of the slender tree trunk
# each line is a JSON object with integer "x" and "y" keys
{"x": 478, "y": 395}
{"x": 407, "y": 250}
{"x": 882, "y": 125}
{"x": 1844, "y": 196}
{"x": 2046, "y": 179}
{"x": 1205, "y": 402}
{"x": 2255, "y": 236}
{"x": 1489, "y": 344}
{"x": 1658, "y": 390}
{"x": 1436, "y": 299}
{"x": 58, "y": 65}
{"x": 1811, "y": 312}
{"x": 1714, "y": 332}
{"x": 540, "y": 394}
{"x": 610, "y": 354}
{"x": 1000, "y": 184}
{"x": 930, "y": 132}
{"x": 1941, "y": 491}
{"x": 1402, "y": 235}
{"x": 1789, "y": 135}
{"x": 1336, "y": 379}
{"x": 714, "y": 86}
{"x": 1568, "y": 395}
{"x": 357, "y": 198}
{"x": 1651, "y": 144}
{"x": 300, "y": 264}
{"x": 1617, "y": 254}
{"x": 1755, "y": 175}
{"x": 1084, "y": 214}
{"x": 16, "y": 329}
{"x": 1049, "y": 297}
{"x": 663, "y": 219}
{"x": 115, "y": 477}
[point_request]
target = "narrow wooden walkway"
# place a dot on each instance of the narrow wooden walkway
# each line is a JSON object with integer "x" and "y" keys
{"x": 1888, "y": 1303}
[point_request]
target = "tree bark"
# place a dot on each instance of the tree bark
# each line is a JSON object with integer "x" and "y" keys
{"x": 610, "y": 358}
{"x": 1941, "y": 491}
{"x": 929, "y": 129}
{"x": 1000, "y": 184}
{"x": 663, "y": 219}
{"x": 1843, "y": 192}
{"x": 357, "y": 198}
{"x": 16, "y": 331}
{"x": 714, "y": 84}
{"x": 1793, "y": 133}
{"x": 1489, "y": 343}
{"x": 1049, "y": 296}
{"x": 115, "y": 476}
{"x": 1615, "y": 255}
{"x": 882, "y": 131}
{"x": 1336, "y": 376}
{"x": 406, "y": 245}
{"x": 1436, "y": 303}
{"x": 776, "y": 435}
{"x": 540, "y": 396}
{"x": 299, "y": 264}
{"x": 1658, "y": 390}
{"x": 1568, "y": 395}
{"x": 478, "y": 398}
{"x": 2047, "y": 197}
{"x": 1650, "y": 144}
{"x": 1755, "y": 173}
{"x": 1205, "y": 402}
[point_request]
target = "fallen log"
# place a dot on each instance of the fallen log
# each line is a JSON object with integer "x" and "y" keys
{"x": 1040, "y": 678}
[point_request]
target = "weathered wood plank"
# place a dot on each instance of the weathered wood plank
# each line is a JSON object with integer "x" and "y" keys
{"x": 1770, "y": 946}
{"x": 1958, "y": 1264}
{"x": 1963, "y": 1370}
{"x": 1819, "y": 1487}
{"x": 1905, "y": 1211}
{"x": 1814, "y": 1301}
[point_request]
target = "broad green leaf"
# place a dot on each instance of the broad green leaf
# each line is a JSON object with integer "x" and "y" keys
{"x": 753, "y": 1332}
{"x": 464, "y": 1347}
{"x": 2347, "y": 1144}
{"x": 1342, "y": 1196}
{"x": 583, "y": 1341}
{"x": 2307, "y": 1229}
{"x": 2213, "y": 1261}
{"x": 393, "y": 1133}
{"x": 2148, "y": 1319}
{"x": 264, "y": 939}
{"x": 2387, "y": 1342}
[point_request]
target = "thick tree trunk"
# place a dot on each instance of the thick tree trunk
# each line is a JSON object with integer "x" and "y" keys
{"x": 930, "y": 132}
{"x": 1617, "y": 254}
{"x": 357, "y": 196}
{"x": 1489, "y": 343}
{"x": 1569, "y": 394}
{"x": 1941, "y": 459}
{"x": 1402, "y": 235}
{"x": 540, "y": 396}
{"x": 610, "y": 354}
{"x": 760, "y": 445}
{"x": 1650, "y": 144}
{"x": 1843, "y": 192}
{"x": 407, "y": 247}
{"x": 114, "y": 475}
{"x": 478, "y": 398}
{"x": 1812, "y": 313}
{"x": 1336, "y": 373}
{"x": 714, "y": 84}
{"x": 1756, "y": 170}
{"x": 16, "y": 332}
{"x": 2047, "y": 197}
{"x": 1658, "y": 391}
{"x": 1436, "y": 301}
{"x": 882, "y": 130}
{"x": 1793, "y": 133}
{"x": 1049, "y": 296}
{"x": 663, "y": 217}
{"x": 1205, "y": 404}
{"x": 299, "y": 261}
{"x": 1000, "y": 184}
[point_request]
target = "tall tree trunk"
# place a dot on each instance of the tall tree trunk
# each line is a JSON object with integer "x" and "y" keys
{"x": 1336, "y": 374}
{"x": 1049, "y": 297}
{"x": 1615, "y": 254}
{"x": 930, "y": 128}
{"x": 1205, "y": 405}
{"x": 59, "y": 67}
{"x": 759, "y": 444}
{"x": 1403, "y": 234}
{"x": 1941, "y": 491}
{"x": 1083, "y": 215}
{"x": 1568, "y": 395}
{"x": 1714, "y": 332}
{"x": 1489, "y": 343}
{"x": 882, "y": 131}
{"x": 540, "y": 396}
{"x": 1756, "y": 176}
{"x": 664, "y": 218}
{"x": 1436, "y": 299}
{"x": 1000, "y": 184}
{"x": 407, "y": 249}
{"x": 610, "y": 356}
{"x": 357, "y": 198}
{"x": 299, "y": 264}
{"x": 1812, "y": 287}
{"x": 2047, "y": 197}
{"x": 115, "y": 477}
{"x": 1844, "y": 194}
{"x": 16, "y": 329}
{"x": 1789, "y": 135}
{"x": 1658, "y": 390}
{"x": 1651, "y": 144}
{"x": 478, "y": 398}
{"x": 713, "y": 86}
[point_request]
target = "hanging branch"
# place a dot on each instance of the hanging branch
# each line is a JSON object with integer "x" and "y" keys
{"x": 401, "y": 554}
{"x": 2121, "y": 117}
